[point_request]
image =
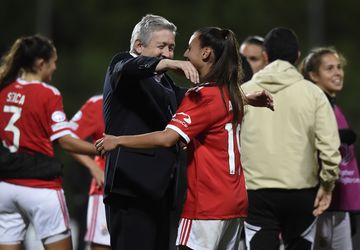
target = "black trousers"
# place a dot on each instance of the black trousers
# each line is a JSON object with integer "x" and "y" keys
{"x": 280, "y": 213}
{"x": 138, "y": 223}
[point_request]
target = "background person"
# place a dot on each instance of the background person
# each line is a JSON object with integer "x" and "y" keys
{"x": 88, "y": 123}
{"x": 325, "y": 67}
{"x": 253, "y": 49}
{"x": 279, "y": 151}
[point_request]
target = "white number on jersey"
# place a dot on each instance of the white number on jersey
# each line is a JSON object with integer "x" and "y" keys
{"x": 231, "y": 149}
{"x": 16, "y": 111}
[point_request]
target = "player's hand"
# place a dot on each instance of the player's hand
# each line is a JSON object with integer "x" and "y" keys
{"x": 322, "y": 201}
{"x": 106, "y": 144}
{"x": 260, "y": 99}
{"x": 98, "y": 176}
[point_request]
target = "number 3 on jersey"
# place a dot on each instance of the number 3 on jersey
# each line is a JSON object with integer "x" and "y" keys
{"x": 231, "y": 148}
{"x": 16, "y": 113}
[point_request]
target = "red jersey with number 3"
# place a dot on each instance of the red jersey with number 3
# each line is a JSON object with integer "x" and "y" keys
{"x": 89, "y": 122}
{"x": 32, "y": 117}
{"x": 216, "y": 185}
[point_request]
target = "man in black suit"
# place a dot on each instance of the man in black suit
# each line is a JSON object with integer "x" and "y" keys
{"x": 140, "y": 98}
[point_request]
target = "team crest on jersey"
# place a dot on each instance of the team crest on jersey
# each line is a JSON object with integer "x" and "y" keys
{"x": 58, "y": 116}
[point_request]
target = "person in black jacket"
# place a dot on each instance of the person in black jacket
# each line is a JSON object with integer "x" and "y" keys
{"x": 141, "y": 184}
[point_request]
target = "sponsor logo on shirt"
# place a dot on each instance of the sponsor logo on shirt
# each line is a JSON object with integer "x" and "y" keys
{"x": 58, "y": 116}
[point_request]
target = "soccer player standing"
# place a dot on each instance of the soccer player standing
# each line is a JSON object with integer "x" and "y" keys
{"x": 32, "y": 118}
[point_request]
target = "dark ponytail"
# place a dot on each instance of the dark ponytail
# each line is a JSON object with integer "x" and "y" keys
{"x": 227, "y": 69}
{"x": 22, "y": 56}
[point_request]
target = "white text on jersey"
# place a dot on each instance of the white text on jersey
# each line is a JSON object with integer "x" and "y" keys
{"x": 14, "y": 97}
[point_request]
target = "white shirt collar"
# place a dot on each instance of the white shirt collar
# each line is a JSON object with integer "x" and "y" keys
{"x": 133, "y": 54}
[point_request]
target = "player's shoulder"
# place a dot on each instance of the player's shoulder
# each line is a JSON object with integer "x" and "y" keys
{"x": 204, "y": 93}
{"x": 203, "y": 90}
{"x": 39, "y": 87}
{"x": 95, "y": 99}
{"x": 91, "y": 107}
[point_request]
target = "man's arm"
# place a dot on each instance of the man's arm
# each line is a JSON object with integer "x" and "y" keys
{"x": 125, "y": 65}
{"x": 327, "y": 142}
{"x": 143, "y": 66}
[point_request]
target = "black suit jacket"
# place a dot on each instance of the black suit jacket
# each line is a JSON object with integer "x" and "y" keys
{"x": 137, "y": 101}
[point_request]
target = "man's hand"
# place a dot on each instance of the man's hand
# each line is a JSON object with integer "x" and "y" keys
{"x": 106, "y": 144}
{"x": 260, "y": 99}
{"x": 322, "y": 201}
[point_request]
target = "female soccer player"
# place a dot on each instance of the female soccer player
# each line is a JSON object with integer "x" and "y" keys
{"x": 88, "y": 122}
{"x": 32, "y": 118}
{"x": 208, "y": 120}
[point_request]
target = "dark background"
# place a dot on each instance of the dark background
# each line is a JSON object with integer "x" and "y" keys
{"x": 88, "y": 32}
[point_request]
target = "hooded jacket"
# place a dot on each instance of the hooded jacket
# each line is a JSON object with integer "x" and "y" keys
{"x": 291, "y": 147}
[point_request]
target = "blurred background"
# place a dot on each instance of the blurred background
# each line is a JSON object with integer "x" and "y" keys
{"x": 87, "y": 33}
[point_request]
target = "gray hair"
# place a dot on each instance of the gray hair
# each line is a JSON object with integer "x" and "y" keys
{"x": 148, "y": 24}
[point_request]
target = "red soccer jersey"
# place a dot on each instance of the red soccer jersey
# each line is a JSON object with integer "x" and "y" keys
{"x": 216, "y": 185}
{"x": 32, "y": 117}
{"x": 89, "y": 122}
